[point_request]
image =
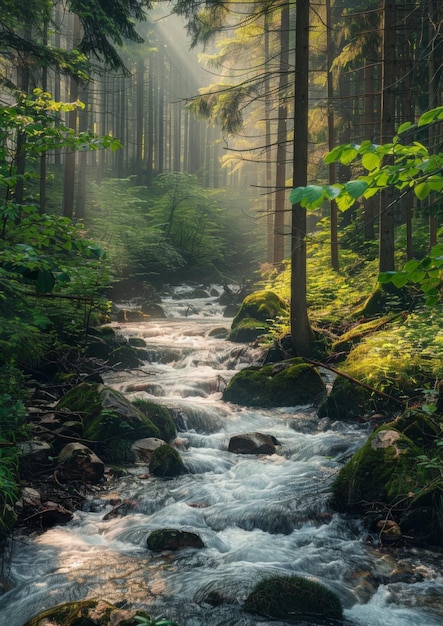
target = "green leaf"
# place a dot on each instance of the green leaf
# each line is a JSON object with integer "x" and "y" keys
{"x": 422, "y": 190}
{"x": 296, "y": 195}
{"x": 431, "y": 116}
{"x": 400, "y": 279}
{"x": 348, "y": 155}
{"x": 411, "y": 265}
{"x": 356, "y": 188}
{"x": 313, "y": 195}
{"x": 406, "y": 126}
{"x": 370, "y": 161}
{"x": 386, "y": 277}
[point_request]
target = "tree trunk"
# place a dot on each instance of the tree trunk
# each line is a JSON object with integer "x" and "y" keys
{"x": 335, "y": 263}
{"x": 388, "y": 197}
{"x": 69, "y": 175}
{"x": 280, "y": 179}
{"x": 301, "y": 332}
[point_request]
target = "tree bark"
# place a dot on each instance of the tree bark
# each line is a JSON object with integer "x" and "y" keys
{"x": 301, "y": 331}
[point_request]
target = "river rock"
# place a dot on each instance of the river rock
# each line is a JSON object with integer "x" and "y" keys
{"x": 89, "y": 613}
{"x": 294, "y": 598}
{"x": 295, "y": 383}
{"x": 33, "y": 452}
{"x": 171, "y": 539}
{"x": 166, "y": 462}
{"x": 109, "y": 419}
{"x": 153, "y": 310}
{"x": 253, "y": 443}
{"x": 255, "y": 314}
{"x": 78, "y": 462}
{"x": 144, "y": 448}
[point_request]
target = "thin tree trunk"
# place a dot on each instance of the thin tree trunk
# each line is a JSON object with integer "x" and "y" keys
{"x": 280, "y": 180}
{"x": 335, "y": 263}
{"x": 387, "y": 199}
{"x": 69, "y": 175}
{"x": 301, "y": 332}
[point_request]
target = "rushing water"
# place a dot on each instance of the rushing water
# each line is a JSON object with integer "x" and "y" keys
{"x": 257, "y": 516}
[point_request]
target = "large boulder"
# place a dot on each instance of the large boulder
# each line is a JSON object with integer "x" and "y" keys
{"x": 289, "y": 383}
{"x": 89, "y": 613}
{"x": 294, "y": 598}
{"x": 255, "y": 315}
{"x": 110, "y": 422}
{"x": 396, "y": 476}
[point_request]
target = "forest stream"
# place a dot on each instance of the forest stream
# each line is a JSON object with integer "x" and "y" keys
{"x": 257, "y": 515}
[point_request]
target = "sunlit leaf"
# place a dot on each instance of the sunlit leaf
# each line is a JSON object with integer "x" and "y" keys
{"x": 370, "y": 161}
{"x": 422, "y": 190}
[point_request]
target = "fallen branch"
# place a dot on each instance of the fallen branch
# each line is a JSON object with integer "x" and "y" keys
{"x": 357, "y": 382}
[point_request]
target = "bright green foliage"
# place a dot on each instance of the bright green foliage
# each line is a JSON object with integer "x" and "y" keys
{"x": 424, "y": 275}
{"x": 411, "y": 167}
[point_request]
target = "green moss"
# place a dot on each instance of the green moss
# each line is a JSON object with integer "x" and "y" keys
{"x": 383, "y": 471}
{"x": 159, "y": 416}
{"x": 293, "y": 597}
{"x": 108, "y": 419}
{"x": 84, "y": 613}
{"x": 287, "y": 383}
{"x": 346, "y": 401}
{"x": 248, "y": 330}
{"x": 424, "y": 517}
{"x": 418, "y": 426}
{"x": 166, "y": 462}
{"x": 255, "y": 314}
{"x": 357, "y": 332}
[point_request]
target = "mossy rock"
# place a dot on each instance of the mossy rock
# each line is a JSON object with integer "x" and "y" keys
{"x": 124, "y": 357}
{"x": 289, "y": 383}
{"x": 385, "y": 298}
{"x": 256, "y": 311}
{"x": 384, "y": 471}
{"x": 87, "y": 613}
{"x": 159, "y": 416}
{"x": 418, "y": 426}
{"x": 294, "y": 597}
{"x": 166, "y": 462}
{"x": 108, "y": 419}
{"x": 346, "y": 401}
{"x": 248, "y": 330}
{"x": 424, "y": 516}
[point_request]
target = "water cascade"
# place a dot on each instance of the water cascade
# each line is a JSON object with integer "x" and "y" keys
{"x": 257, "y": 516}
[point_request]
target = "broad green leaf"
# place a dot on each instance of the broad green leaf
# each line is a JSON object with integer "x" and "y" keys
{"x": 431, "y": 116}
{"x": 406, "y": 126}
{"x": 356, "y": 188}
{"x": 422, "y": 190}
{"x": 386, "y": 277}
{"x": 334, "y": 155}
{"x": 417, "y": 276}
{"x": 348, "y": 155}
{"x": 400, "y": 279}
{"x": 370, "y": 161}
{"x": 296, "y": 195}
{"x": 411, "y": 265}
{"x": 313, "y": 194}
